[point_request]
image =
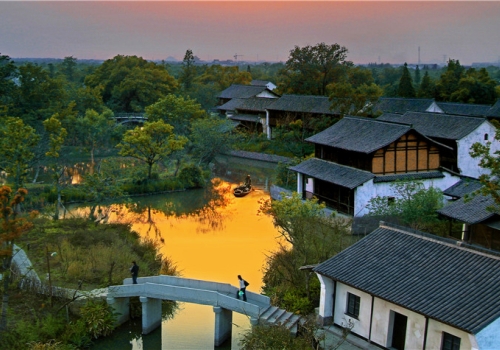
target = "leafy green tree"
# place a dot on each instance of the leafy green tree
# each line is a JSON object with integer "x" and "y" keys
{"x": 57, "y": 135}
{"x": 427, "y": 87}
{"x": 220, "y": 78}
{"x": 475, "y": 87}
{"x": 95, "y": 130}
{"x": 417, "y": 75}
{"x": 405, "y": 88}
{"x": 177, "y": 111}
{"x": 151, "y": 143}
{"x": 188, "y": 70}
{"x": 17, "y": 143}
{"x": 448, "y": 82}
{"x": 12, "y": 226}
{"x": 415, "y": 205}
{"x": 8, "y": 73}
{"x": 308, "y": 236}
{"x": 310, "y": 69}
{"x": 489, "y": 160}
{"x": 131, "y": 83}
{"x": 68, "y": 68}
{"x": 355, "y": 94}
{"x": 211, "y": 136}
{"x": 38, "y": 96}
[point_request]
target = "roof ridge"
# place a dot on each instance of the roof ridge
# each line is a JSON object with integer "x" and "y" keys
{"x": 441, "y": 240}
{"x": 410, "y": 125}
{"x": 448, "y": 115}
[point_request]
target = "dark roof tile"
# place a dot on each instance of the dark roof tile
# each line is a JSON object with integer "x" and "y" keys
{"x": 409, "y": 176}
{"x": 463, "y": 187}
{"x": 426, "y": 274}
{"x": 472, "y": 210}
{"x": 303, "y": 103}
{"x": 360, "y": 134}
{"x": 402, "y": 105}
{"x": 243, "y": 91}
{"x": 464, "y": 108}
{"x": 437, "y": 125}
{"x": 334, "y": 173}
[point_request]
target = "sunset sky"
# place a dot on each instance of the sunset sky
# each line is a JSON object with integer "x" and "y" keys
{"x": 259, "y": 30}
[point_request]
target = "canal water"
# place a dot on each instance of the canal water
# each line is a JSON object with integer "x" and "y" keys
{"x": 210, "y": 237}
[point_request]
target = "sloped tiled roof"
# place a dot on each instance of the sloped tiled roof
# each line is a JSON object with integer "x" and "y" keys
{"x": 257, "y": 104}
{"x": 464, "y": 108}
{"x": 472, "y": 211}
{"x": 303, "y": 103}
{"x": 434, "y": 277}
{"x": 445, "y": 126}
{"x": 360, "y": 134}
{"x": 245, "y": 117}
{"x": 259, "y": 82}
{"x": 494, "y": 111}
{"x": 402, "y": 105}
{"x": 463, "y": 187}
{"x": 243, "y": 91}
{"x": 409, "y": 176}
{"x": 334, "y": 173}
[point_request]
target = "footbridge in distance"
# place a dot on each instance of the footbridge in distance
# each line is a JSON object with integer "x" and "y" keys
{"x": 222, "y": 296}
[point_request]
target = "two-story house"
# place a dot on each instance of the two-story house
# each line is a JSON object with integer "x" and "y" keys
{"x": 359, "y": 158}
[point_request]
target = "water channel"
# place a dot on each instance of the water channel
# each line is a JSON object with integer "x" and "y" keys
{"x": 209, "y": 238}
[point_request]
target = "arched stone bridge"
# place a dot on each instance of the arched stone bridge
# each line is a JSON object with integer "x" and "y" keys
{"x": 222, "y": 296}
{"x": 126, "y": 118}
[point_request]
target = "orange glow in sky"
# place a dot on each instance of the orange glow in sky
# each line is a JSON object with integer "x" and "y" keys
{"x": 258, "y": 30}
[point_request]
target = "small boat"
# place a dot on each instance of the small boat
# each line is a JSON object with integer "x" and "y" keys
{"x": 241, "y": 191}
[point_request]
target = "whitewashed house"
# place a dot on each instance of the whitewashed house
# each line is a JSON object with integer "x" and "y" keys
{"x": 406, "y": 289}
{"x": 456, "y": 131}
{"x": 359, "y": 158}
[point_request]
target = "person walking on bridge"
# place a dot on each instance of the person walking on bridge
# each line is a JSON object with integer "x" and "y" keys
{"x": 242, "y": 291}
{"x": 134, "y": 270}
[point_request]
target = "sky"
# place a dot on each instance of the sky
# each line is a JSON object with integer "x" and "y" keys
{"x": 372, "y": 31}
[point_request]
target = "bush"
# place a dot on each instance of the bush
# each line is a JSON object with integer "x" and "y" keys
{"x": 191, "y": 176}
{"x": 98, "y": 319}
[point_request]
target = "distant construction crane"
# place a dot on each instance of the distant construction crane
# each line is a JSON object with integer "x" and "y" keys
{"x": 236, "y": 56}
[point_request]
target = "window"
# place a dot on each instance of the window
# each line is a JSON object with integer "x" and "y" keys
{"x": 450, "y": 342}
{"x": 353, "y": 305}
{"x": 485, "y": 137}
{"x": 391, "y": 200}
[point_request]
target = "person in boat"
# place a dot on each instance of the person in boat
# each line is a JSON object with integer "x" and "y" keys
{"x": 248, "y": 182}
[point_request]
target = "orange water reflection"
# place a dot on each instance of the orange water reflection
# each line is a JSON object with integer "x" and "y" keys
{"x": 223, "y": 239}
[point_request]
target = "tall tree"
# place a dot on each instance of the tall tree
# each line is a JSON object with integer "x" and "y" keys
{"x": 38, "y": 96}
{"x": 8, "y": 73}
{"x": 211, "y": 136}
{"x": 405, "y": 88}
{"x": 427, "y": 88}
{"x": 475, "y": 86}
{"x": 177, "y": 111}
{"x": 68, "y": 68}
{"x": 448, "y": 82}
{"x": 95, "y": 129}
{"x": 131, "y": 83}
{"x": 417, "y": 75}
{"x": 151, "y": 143}
{"x": 57, "y": 135}
{"x": 188, "y": 72}
{"x": 17, "y": 143}
{"x": 12, "y": 226}
{"x": 310, "y": 69}
{"x": 355, "y": 93}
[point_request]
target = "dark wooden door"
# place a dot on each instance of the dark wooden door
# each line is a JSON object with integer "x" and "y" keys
{"x": 399, "y": 331}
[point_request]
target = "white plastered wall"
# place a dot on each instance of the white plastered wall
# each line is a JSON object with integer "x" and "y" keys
{"x": 470, "y": 166}
{"x": 369, "y": 190}
{"x": 362, "y": 323}
{"x": 435, "y": 334}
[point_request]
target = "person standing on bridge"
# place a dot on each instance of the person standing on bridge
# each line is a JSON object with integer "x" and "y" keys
{"x": 134, "y": 270}
{"x": 243, "y": 286}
